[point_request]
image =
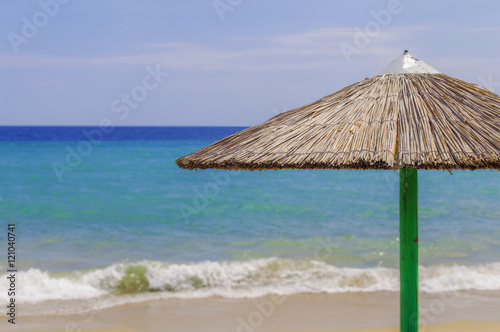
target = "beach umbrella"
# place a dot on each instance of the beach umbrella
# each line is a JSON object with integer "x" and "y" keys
{"x": 407, "y": 117}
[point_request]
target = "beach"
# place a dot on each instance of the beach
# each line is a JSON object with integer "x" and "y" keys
{"x": 461, "y": 311}
{"x": 249, "y": 166}
{"x": 137, "y": 243}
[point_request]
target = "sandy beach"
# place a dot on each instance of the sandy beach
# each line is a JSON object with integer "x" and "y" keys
{"x": 459, "y": 326}
{"x": 461, "y": 311}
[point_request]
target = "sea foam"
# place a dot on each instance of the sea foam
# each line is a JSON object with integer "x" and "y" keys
{"x": 131, "y": 282}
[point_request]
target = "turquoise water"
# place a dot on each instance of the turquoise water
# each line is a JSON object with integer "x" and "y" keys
{"x": 127, "y": 202}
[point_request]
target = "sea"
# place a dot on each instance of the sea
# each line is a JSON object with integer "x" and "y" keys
{"x": 103, "y": 217}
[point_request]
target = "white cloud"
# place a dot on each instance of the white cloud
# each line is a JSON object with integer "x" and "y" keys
{"x": 312, "y": 50}
{"x": 484, "y": 29}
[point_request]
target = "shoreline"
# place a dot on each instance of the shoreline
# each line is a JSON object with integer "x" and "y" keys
{"x": 301, "y": 312}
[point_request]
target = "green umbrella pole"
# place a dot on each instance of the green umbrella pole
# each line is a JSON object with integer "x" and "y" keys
{"x": 408, "y": 260}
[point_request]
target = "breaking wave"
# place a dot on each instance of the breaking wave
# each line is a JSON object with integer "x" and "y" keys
{"x": 134, "y": 282}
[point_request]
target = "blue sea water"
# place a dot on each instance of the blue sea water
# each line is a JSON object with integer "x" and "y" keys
{"x": 111, "y": 213}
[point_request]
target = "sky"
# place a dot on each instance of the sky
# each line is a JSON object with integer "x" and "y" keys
{"x": 221, "y": 62}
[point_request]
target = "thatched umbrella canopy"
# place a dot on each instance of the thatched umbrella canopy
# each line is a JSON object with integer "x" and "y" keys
{"x": 407, "y": 117}
{"x": 395, "y": 119}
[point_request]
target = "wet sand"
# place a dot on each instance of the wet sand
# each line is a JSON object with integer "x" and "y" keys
{"x": 368, "y": 312}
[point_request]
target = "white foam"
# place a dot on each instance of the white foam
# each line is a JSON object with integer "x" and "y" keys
{"x": 238, "y": 279}
{"x": 456, "y": 277}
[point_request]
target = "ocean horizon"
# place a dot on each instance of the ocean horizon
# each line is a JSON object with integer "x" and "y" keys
{"x": 108, "y": 216}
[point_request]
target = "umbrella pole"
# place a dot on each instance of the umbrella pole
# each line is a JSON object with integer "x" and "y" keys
{"x": 408, "y": 259}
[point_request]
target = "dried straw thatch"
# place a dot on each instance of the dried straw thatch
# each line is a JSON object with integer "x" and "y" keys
{"x": 425, "y": 121}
